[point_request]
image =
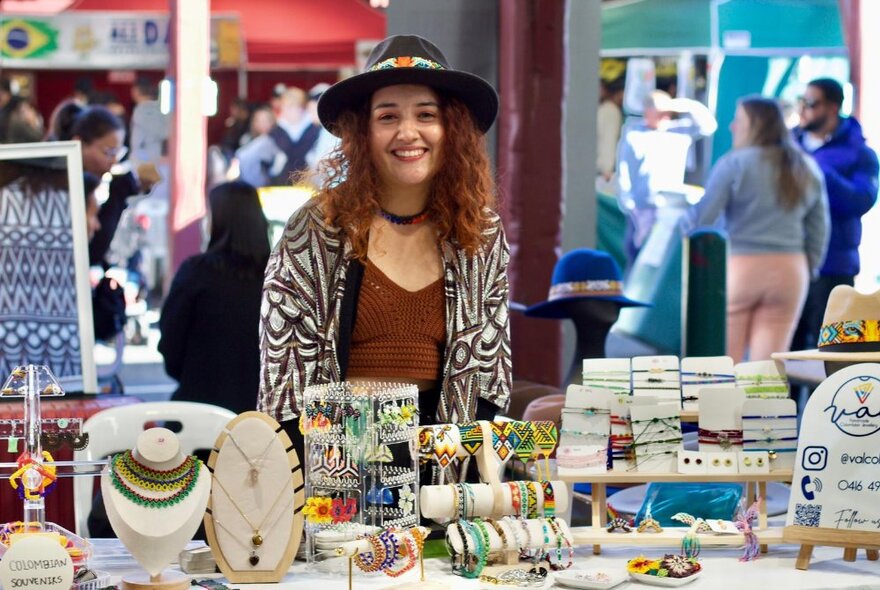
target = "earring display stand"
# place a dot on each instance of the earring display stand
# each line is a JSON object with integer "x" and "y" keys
{"x": 361, "y": 464}
{"x": 254, "y": 519}
{"x": 34, "y": 472}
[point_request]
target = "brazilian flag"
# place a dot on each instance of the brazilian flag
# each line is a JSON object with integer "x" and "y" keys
{"x": 26, "y": 38}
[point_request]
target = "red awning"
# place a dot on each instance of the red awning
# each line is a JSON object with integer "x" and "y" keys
{"x": 281, "y": 33}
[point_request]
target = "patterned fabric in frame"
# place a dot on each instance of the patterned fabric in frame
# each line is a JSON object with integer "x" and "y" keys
{"x": 38, "y": 304}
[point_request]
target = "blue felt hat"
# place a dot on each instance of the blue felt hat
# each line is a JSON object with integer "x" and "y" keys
{"x": 580, "y": 274}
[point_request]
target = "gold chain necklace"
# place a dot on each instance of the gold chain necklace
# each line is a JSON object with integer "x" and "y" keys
{"x": 257, "y": 537}
{"x": 254, "y": 559}
{"x": 254, "y": 471}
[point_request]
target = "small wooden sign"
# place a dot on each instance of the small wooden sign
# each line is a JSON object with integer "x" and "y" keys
{"x": 36, "y": 562}
{"x": 836, "y": 480}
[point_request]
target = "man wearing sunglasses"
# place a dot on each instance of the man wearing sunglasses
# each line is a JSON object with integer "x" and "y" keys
{"x": 850, "y": 169}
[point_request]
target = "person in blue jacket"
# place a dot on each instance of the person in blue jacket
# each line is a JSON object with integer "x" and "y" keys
{"x": 850, "y": 168}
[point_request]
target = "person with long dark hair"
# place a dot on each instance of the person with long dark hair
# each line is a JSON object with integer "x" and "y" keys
{"x": 772, "y": 197}
{"x": 210, "y": 318}
{"x": 397, "y": 270}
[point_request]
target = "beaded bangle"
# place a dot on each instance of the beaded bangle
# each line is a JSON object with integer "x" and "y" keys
{"x": 549, "y": 499}
{"x": 392, "y": 547}
{"x": 409, "y": 562}
{"x": 371, "y": 561}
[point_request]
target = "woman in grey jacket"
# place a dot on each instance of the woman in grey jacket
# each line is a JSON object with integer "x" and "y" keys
{"x": 772, "y": 197}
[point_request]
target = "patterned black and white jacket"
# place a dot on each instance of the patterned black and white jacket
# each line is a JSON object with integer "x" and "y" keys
{"x": 309, "y": 294}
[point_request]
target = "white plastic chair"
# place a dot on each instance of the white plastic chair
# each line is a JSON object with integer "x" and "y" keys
{"x": 116, "y": 429}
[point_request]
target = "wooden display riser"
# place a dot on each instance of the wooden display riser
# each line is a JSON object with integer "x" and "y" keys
{"x": 670, "y": 537}
{"x": 596, "y": 535}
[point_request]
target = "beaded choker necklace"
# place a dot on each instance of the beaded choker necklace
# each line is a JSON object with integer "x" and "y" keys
{"x": 149, "y": 487}
{"x": 404, "y": 219}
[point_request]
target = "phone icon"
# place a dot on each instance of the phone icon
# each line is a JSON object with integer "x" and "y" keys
{"x": 808, "y": 493}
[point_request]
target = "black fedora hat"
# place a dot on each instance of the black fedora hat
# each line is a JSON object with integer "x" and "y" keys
{"x": 409, "y": 59}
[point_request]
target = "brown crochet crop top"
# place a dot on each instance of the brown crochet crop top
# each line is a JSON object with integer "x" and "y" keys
{"x": 397, "y": 333}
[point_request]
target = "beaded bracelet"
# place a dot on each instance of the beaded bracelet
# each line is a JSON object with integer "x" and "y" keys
{"x": 505, "y": 543}
{"x": 707, "y": 378}
{"x": 583, "y": 433}
{"x": 723, "y": 438}
{"x": 408, "y": 563}
{"x": 549, "y": 499}
{"x": 656, "y": 442}
{"x": 560, "y": 540}
{"x": 532, "y": 495}
{"x": 480, "y": 555}
{"x": 370, "y": 561}
{"x": 587, "y": 411}
{"x": 770, "y": 417}
{"x": 769, "y": 439}
{"x": 640, "y": 459}
{"x": 392, "y": 547}
{"x": 524, "y": 499}
{"x": 515, "y": 497}
{"x": 570, "y": 458}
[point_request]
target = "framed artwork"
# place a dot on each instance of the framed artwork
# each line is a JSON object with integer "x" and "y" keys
{"x": 45, "y": 295}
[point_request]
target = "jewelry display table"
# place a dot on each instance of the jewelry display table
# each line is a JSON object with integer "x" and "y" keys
{"x": 721, "y": 569}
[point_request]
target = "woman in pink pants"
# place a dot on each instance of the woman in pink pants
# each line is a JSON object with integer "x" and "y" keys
{"x": 775, "y": 210}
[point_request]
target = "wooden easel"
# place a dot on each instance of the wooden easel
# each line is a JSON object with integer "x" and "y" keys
{"x": 851, "y": 541}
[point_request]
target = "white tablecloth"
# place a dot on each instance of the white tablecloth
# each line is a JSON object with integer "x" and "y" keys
{"x": 722, "y": 570}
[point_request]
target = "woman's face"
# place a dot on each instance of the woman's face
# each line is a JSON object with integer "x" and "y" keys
{"x": 741, "y": 128}
{"x": 406, "y": 135}
{"x": 99, "y": 155}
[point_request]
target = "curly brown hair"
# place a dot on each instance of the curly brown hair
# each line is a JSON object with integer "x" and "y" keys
{"x": 462, "y": 191}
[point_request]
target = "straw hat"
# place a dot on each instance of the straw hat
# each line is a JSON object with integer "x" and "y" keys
{"x": 850, "y": 329}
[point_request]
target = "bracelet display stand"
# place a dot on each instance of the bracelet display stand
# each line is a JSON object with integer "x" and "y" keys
{"x": 597, "y": 535}
{"x": 361, "y": 463}
{"x": 254, "y": 519}
{"x": 661, "y": 372}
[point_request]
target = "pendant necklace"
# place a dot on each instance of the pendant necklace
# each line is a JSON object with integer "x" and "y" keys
{"x": 257, "y": 536}
{"x": 254, "y": 471}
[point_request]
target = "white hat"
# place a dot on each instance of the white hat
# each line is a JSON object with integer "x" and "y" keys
{"x": 850, "y": 329}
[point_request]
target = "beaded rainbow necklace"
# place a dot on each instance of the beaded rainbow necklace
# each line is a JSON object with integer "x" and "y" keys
{"x": 134, "y": 480}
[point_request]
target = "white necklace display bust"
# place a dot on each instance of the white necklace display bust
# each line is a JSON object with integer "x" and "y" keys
{"x": 155, "y": 524}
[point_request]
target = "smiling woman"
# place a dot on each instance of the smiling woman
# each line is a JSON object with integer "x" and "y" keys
{"x": 397, "y": 271}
